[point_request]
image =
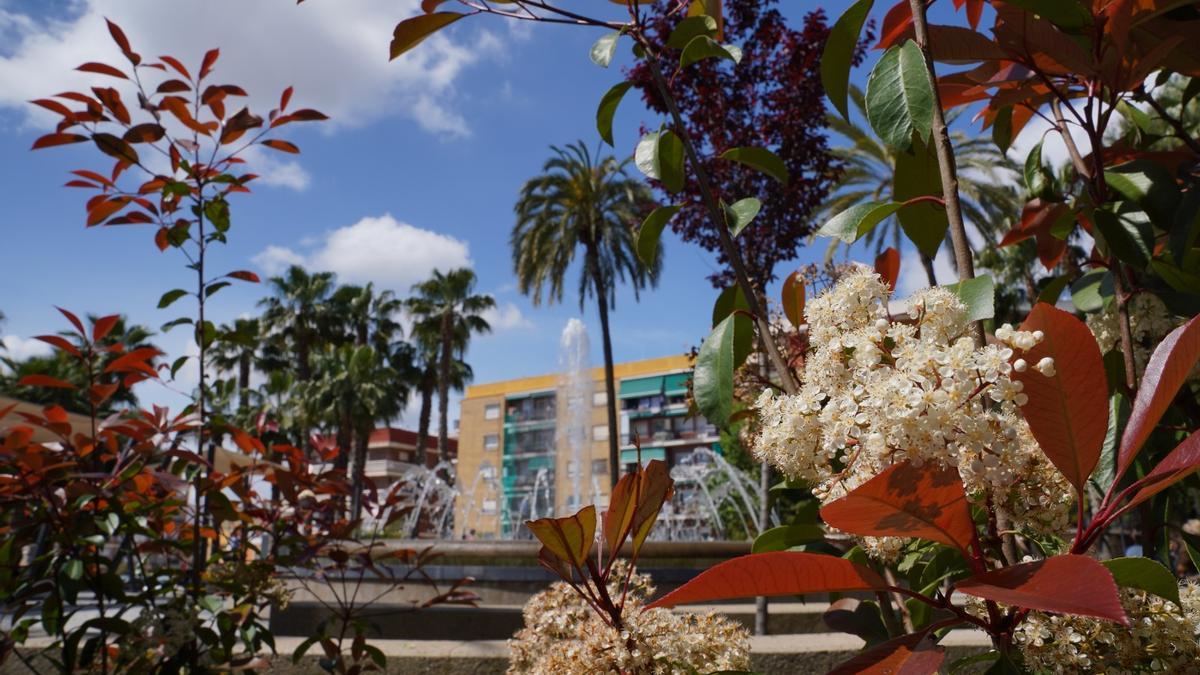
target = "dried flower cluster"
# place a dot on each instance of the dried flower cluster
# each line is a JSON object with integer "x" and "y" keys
{"x": 877, "y": 391}
{"x": 1162, "y": 638}
{"x": 564, "y": 636}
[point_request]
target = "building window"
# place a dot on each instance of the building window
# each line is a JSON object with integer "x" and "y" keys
{"x": 491, "y": 442}
{"x": 489, "y": 506}
{"x": 599, "y": 398}
{"x": 599, "y": 467}
{"x": 491, "y": 411}
{"x": 572, "y": 468}
{"x": 600, "y": 432}
{"x": 487, "y": 472}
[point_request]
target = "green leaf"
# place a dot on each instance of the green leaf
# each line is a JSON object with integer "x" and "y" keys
{"x": 1037, "y": 179}
{"x": 729, "y": 301}
{"x": 1106, "y": 468}
{"x": 412, "y": 32}
{"x": 1149, "y": 185}
{"x": 659, "y": 155}
{"x": 1052, "y": 290}
{"x": 170, "y": 297}
{"x": 787, "y": 536}
{"x": 899, "y": 97}
{"x": 857, "y": 220}
{"x": 838, "y": 56}
{"x": 917, "y": 175}
{"x": 979, "y": 296}
{"x": 1136, "y": 116}
{"x": 176, "y": 322}
{"x": 1092, "y": 291}
{"x": 713, "y": 379}
{"x": 73, "y": 570}
{"x": 1179, "y": 279}
{"x": 1002, "y": 128}
{"x": 741, "y": 213}
{"x": 603, "y": 49}
{"x": 690, "y": 28}
{"x": 1145, "y": 574}
{"x": 211, "y": 289}
{"x": 651, "y": 231}
{"x": 703, "y": 47}
{"x": 1192, "y": 543}
{"x": 669, "y": 156}
{"x": 1127, "y": 238}
{"x": 608, "y": 109}
{"x": 761, "y": 159}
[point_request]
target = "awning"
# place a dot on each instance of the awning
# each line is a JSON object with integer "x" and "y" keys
{"x": 676, "y": 384}
{"x": 630, "y": 456}
{"x": 643, "y": 386}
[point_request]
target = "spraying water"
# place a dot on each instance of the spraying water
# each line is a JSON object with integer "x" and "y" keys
{"x": 575, "y": 402}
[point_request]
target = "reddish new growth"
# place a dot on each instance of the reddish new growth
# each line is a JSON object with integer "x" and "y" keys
{"x": 772, "y": 99}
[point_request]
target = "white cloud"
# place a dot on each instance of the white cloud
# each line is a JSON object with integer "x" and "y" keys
{"x": 18, "y": 348}
{"x": 274, "y": 171}
{"x": 505, "y": 317}
{"x": 383, "y": 250}
{"x": 333, "y": 52}
{"x": 275, "y": 259}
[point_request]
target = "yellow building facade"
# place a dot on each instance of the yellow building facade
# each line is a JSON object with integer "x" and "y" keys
{"x": 514, "y": 461}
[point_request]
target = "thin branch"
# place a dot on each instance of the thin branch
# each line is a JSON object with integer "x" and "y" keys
{"x": 946, "y": 164}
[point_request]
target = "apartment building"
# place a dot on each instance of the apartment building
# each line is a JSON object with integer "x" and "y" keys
{"x": 516, "y": 457}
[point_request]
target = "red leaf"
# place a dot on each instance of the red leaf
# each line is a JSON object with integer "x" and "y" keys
{"x": 174, "y": 63}
{"x": 905, "y": 501}
{"x": 1179, "y": 464}
{"x": 50, "y": 140}
{"x": 101, "y": 68}
{"x": 115, "y": 147}
{"x": 103, "y": 326}
{"x": 173, "y": 87}
{"x": 887, "y": 265}
{"x": 118, "y": 36}
{"x": 104, "y": 209}
{"x": 895, "y": 23}
{"x": 244, "y": 276}
{"x": 61, "y": 343}
{"x": 73, "y": 319}
{"x": 285, "y": 98}
{"x": 44, "y": 381}
{"x": 906, "y": 655}
{"x": 210, "y": 58}
{"x": 569, "y": 539}
{"x": 308, "y": 115}
{"x": 793, "y": 298}
{"x": 974, "y": 12}
{"x": 774, "y": 573}
{"x": 282, "y": 146}
{"x": 1066, "y": 584}
{"x": 1165, "y": 373}
{"x": 135, "y": 361}
{"x": 53, "y": 106}
{"x": 1068, "y": 412}
{"x": 145, "y": 133}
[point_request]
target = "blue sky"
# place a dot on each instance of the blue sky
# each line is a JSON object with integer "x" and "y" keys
{"x": 420, "y": 165}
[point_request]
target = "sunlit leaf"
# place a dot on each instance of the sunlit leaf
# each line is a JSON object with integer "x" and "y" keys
{"x": 913, "y": 654}
{"x": 650, "y": 232}
{"x": 741, "y": 213}
{"x": 608, "y": 109}
{"x": 1066, "y": 584}
{"x": 838, "y": 56}
{"x": 978, "y": 295}
{"x": 1180, "y": 463}
{"x": 887, "y": 266}
{"x": 568, "y": 538}
{"x": 761, "y": 159}
{"x": 793, "y": 298}
{"x": 854, "y": 222}
{"x": 712, "y": 382}
{"x": 703, "y": 47}
{"x": 899, "y": 98}
{"x": 905, "y": 501}
{"x": 412, "y": 32}
{"x": 603, "y": 49}
{"x": 1145, "y": 574}
{"x": 770, "y": 574}
{"x": 1068, "y": 411}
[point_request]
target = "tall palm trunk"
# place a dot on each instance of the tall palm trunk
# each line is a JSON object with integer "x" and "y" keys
{"x": 427, "y": 384}
{"x": 443, "y": 445}
{"x": 362, "y": 439}
{"x": 614, "y": 434}
{"x": 244, "y": 381}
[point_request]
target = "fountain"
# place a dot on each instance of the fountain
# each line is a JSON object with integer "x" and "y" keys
{"x": 709, "y": 492}
{"x": 575, "y": 403}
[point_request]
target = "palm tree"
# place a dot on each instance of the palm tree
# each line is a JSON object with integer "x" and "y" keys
{"x": 591, "y": 205}
{"x": 296, "y": 312}
{"x": 425, "y": 375}
{"x": 986, "y": 180}
{"x": 354, "y": 389}
{"x": 236, "y": 350}
{"x": 369, "y": 317}
{"x": 449, "y": 303}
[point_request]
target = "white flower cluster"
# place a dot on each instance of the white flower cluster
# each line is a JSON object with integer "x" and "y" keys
{"x": 1149, "y": 323}
{"x": 564, "y": 636}
{"x": 1162, "y": 638}
{"x": 876, "y": 391}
